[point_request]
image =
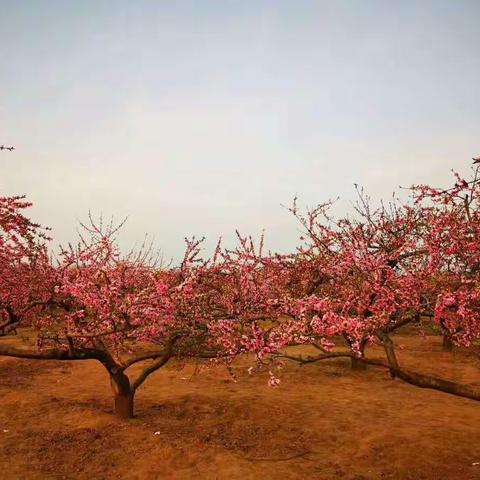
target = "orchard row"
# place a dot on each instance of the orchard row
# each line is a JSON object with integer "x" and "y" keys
{"x": 359, "y": 278}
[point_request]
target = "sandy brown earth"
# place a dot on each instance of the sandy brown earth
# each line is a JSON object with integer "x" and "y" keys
{"x": 324, "y": 422}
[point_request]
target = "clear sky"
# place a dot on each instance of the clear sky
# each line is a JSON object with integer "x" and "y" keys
{"x": 199, "y": 117}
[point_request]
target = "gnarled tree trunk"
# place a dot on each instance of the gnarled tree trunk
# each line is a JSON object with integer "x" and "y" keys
{"x": 447, "y": 343}
{"x": 356, "y": 362}
{"x": 123, "y": 395}
{"x": 8, "y": 322}
{"x": 390, "y": 352}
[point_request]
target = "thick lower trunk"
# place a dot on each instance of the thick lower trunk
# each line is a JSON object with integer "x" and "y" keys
{"x": 122, "y": 395}
{"x": 8, "y": 330}
{"x": 447, "y": 343}
{"x": 390, "y": 352}
{"x": 356, "y": 360}
{"x": 123, "y": 405}
{"x": 9, "y": 325}
{"x": 356, "y": 363}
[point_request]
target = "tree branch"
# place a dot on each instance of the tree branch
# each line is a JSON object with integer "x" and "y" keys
{"x": 310, "y": 359}
{"x": 164, "y": 358}
{"x": 54, "y": 354}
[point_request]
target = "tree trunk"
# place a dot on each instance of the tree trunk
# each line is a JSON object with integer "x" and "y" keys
{"x": 390, "y": 352}
{"x": 123, "y": 395}
{"x": 357, "y": 364}
{"x": 356, "y": 360}
{"x": 447, "y": 343}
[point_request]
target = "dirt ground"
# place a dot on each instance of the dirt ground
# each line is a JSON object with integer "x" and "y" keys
{"x": 324, "y": 422}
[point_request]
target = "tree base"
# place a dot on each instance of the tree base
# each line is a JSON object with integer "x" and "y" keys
{"x": 447, "y": 344}
{"x": 122, "y": 395}
{"x": 123, "y": 406}
{"x": 357, "y": 364}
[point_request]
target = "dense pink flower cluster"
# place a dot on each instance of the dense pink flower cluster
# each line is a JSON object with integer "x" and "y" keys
{"x": 453, "y": 242}
{"x": 24, "y": 265}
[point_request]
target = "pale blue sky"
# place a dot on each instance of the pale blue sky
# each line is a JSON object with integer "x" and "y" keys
{"x": 200, "y": 117}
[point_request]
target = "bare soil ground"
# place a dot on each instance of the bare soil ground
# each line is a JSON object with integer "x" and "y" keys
{"x": 324, "y": 422}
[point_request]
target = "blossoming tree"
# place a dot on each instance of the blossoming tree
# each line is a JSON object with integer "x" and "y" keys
{"x": 366, "y": 276}
{"x": 24, "y": 264}
{"x": 453, "y": 242}
{"x": 96, "y": 303}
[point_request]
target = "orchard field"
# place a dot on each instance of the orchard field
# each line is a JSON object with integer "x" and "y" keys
{"x": 324, "y": 422}
{"x": 355, "y": 356}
